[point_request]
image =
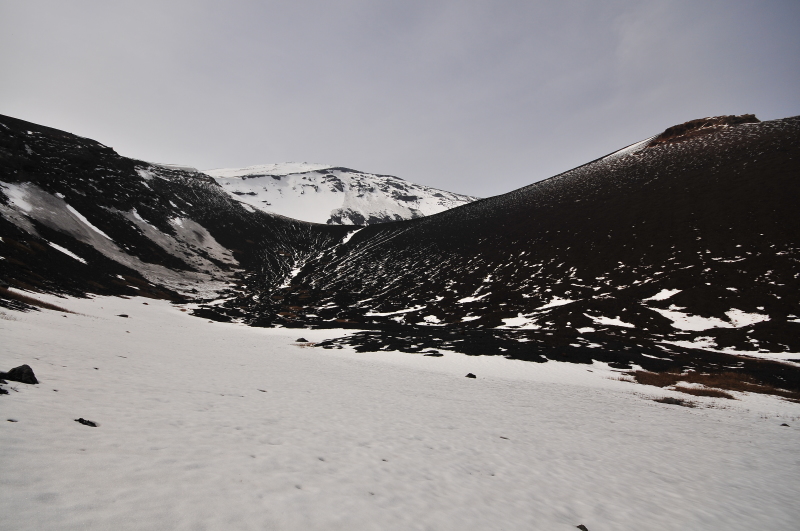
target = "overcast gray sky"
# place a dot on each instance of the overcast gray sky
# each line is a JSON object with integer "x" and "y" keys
{"x": 477, "y": 97}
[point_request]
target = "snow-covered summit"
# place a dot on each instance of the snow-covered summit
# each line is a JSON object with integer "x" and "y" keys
{"x": 333, "y": 195}
{"x": 281, "y": 168}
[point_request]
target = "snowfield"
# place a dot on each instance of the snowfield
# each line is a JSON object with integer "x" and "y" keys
{"x": 220, "y": 426}
{"x": 324, "y": 194}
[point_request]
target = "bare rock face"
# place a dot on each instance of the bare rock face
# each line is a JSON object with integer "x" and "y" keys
{"x": 22, "y": 374}
{"x": 693, "y": 128}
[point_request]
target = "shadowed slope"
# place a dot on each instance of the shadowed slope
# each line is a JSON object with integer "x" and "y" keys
{"x": 660, "y": 249}
{"x": 76, "y": 217}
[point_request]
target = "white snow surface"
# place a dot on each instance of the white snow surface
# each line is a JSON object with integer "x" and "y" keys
{"x": 738, "y": 318}
{"x": 522, "y": 322}
{"x": 557, "y": 301}
{"x": 66, "y": 252}
{"x": 741, "y": 318}
{"x": 663, "y": 295}
{"x": 608, "y": 321}
{"x": 325, "y": 194}
{"x": 685, "y": 321}
{"x": 220, "y": 426}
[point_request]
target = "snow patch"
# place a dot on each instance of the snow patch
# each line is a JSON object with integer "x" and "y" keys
{"x": 407, "y": 310}
{"x": 66, "y": 252}
{"x": 348, "y": 236}
{"x": 557, "y": 301}
{"x": 86, "y": 222}
{"x": 520, "y": 322}
{"x": 608, "y": 321}
{"x": 685, "y": 321}
{"x": 472, "y": 299}
{"x": 663, "y": 295}
{"x": 740, "y": 318}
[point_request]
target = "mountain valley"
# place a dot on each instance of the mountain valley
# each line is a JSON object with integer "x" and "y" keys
{"x": 679, "y": 252}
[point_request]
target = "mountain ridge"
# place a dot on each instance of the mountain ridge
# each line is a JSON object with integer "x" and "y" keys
{"x": 333, "y": 194}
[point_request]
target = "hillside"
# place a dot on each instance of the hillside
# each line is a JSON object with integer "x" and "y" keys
{"x": 667, "y": 255}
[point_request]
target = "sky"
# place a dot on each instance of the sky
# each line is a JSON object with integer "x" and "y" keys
{"x": 475, "y": 97}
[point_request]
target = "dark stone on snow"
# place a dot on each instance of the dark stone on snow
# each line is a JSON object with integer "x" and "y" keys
{"x": 122, "y": 315}
{"x": 208, "y": 313}
{"x": 22, "y": 374}
{"x": 3, "y": 391}
{"x": 434, "y": 354}
{"x": 784, "y": 424}
{"x": 470, "y": 375}
{"x": 12, "y": 420}
{"x": 86, "y": 422}
{"x": 302, "y": 340}
{"x": 674, "y": 401}
{"x": 582, "y": 527}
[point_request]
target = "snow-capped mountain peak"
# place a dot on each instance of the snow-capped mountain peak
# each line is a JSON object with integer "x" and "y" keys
{"x": 281, "y": 168}
{"x": 326, "y": 194}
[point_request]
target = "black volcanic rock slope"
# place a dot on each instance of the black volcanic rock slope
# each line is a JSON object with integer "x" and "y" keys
{"x": 656, "y": 255}
{"x": 76, "y": 217}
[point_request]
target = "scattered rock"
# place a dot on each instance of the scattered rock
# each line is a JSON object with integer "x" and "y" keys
{"x": 470, "y": 375}
{"x": 784, "y": 424}
{"x": 301, "y": 340}
{"x": 86, "y": 422}
{"x": 22, "y": 374}
{"x": 674, "y": 401}
{"x": 122, "y": 315}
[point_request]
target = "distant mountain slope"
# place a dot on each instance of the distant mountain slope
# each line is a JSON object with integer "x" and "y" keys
{"x": 326, "y": 194}
{"x": 77, "y": 217}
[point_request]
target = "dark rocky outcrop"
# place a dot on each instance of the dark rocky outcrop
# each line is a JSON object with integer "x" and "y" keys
{"x": 700, "y": 126}
{"x": 23, "y": 374}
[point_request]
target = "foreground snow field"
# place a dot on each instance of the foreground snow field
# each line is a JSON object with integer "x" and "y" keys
{"x": 219, "y": 426}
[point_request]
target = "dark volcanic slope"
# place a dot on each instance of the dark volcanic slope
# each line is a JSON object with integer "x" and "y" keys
{"x": 76, "y": 217}
{"x": 706, "y": 222}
